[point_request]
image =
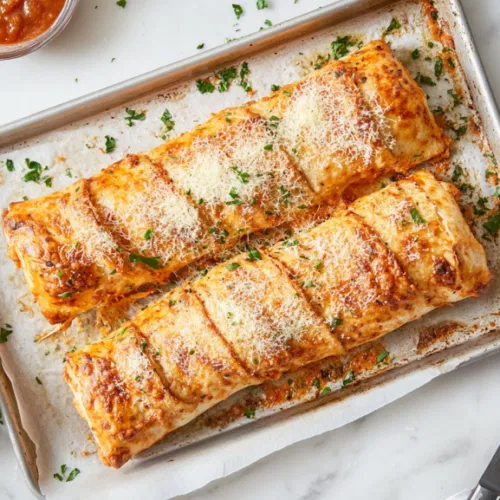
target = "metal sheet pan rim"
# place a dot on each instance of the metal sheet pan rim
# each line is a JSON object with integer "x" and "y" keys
{"x": 101, "y": 100}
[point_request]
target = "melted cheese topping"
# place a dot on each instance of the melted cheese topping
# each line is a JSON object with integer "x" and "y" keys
{"x": 241, "y": 167}
{"x": 154, "y": 216}
{"x": 329, "y": 121}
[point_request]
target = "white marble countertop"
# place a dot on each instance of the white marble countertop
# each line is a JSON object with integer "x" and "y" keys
{"x": 430, "y": 444}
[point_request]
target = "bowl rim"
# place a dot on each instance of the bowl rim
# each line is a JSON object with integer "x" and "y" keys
{"x": 14, "y": 50}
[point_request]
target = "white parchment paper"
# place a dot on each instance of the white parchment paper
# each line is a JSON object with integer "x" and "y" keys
{"x": 77, "y": 151}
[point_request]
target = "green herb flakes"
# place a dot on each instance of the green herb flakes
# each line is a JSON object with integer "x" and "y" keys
{"x": 238, "y": 10}
{"x": 492, "y": 225}
{"x": 262, "y": 4}
{"x": 34, "y": 171}
{"x": 110, "y": 144}
{"x": 232, "y": 266}
{"x": 166, "y": 118}
{"x": 5, "y": 332}
{"x": 340, "y": 46}
{"x": 383, "y": 355}
{"x": 249, "y": 412}
{"x": 393, "y": 26}
{"x": 204, "y": 86}
{"x": 438, "y": 67}
{"x": 416, "y": 217}
{"x": 349, "y": 379}
{"x": 254, "y": 254}
{"x": 133, "y": 115}
{"x": 121, "y": 3}
{"x": 153, "y": 262}
{"x": 10, "y": 165}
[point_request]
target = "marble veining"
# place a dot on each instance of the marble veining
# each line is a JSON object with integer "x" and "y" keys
{"x": 427, "y": 446}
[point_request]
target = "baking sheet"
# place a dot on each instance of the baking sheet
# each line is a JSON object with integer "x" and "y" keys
{"x": 46, "y": 409}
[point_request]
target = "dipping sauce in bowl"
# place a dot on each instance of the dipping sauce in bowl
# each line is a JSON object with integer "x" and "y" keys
{"x": 22, "y": 20}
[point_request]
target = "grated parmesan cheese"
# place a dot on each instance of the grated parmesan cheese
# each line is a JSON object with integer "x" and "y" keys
{"x": 328, "y": 122}
{"x": 172, "y": 222}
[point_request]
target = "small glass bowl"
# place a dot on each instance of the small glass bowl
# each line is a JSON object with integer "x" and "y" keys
{"x": 13, "y": 50}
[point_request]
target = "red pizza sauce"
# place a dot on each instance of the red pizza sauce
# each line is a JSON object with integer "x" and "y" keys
{"x": 22, "y": 20}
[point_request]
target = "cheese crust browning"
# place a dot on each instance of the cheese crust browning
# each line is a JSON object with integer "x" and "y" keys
{"x": 388, "y": 259}
{"x": 246, "y": 169}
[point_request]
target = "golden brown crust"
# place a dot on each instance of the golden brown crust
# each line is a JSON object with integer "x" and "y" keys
{"x": 245, "y": 169}
{"x": 269, "y": 311}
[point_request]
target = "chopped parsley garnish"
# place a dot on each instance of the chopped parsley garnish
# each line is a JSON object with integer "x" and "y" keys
{"x": 238, "y": 10}
{"x": 121, "y": 3}
{"x": 148, "y": 234}
{"x": 349, "y": 379}
{"x": 340, "y": 46}
{"x": 434, "y": 15}
{"x": 249, "y": 412}
{"x": 47, "y": 181}
{"x": 268, "y": 147}
{"x": 335, "y": 322}
{"x": 243, "y": 82}
{"x": 226, "y": 75}
{"x": 383, "y": 355}
{"x": 191, "y": 352}
{"x": 133, "y": 115}
{"x": 316, "y": 383}
{"x": 153, "y": 262}
{"x": 114, "y": 271}
{"x": 200, "y": 46}
{"x": 10, "y": 165}
{"x": 274, "y": 87}
{"x": 415, "y": 54}
{"x": 290, "y": 243}
{"x": 492, "y": 225}
{"x": 393, "y": 26}
{"x": 232, "y": 266}
{"x": 65, "y": 295}
{"x": 325, "y": 390}
{"x": 416, "y": 217}
{"x": 481, "y": 207}
{"x": 204, "y": 86}
{"x": 456, "y": 100}
{"x": 268, "y": 22}
{"x": 5, "y": 332}
{"x": 262, "y": 4}
{"x": 286, "y": 195}
{"x": 110, "y": 144}
{"x": 171, "y": 302}
{"x": 457, "y": 173}
{"x": 318, "y": 264}
{"x": 438, "y": 67}
{"x": 69, "y": 173}
{"x": 242, "y": 176}
{"x": 144, "y": 346}
{"x": 451, "y": 62}
{"x": 491, "y": 158}
{"x": 166, "y": 118}
{"x": 424, "y": 80}
{"x": 254, "y": 255}
{"x": 34, "y": 173}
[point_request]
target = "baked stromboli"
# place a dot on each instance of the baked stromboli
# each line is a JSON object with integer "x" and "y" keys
{"x": 390, "y": 258}
{"x": 245, "y": 169}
